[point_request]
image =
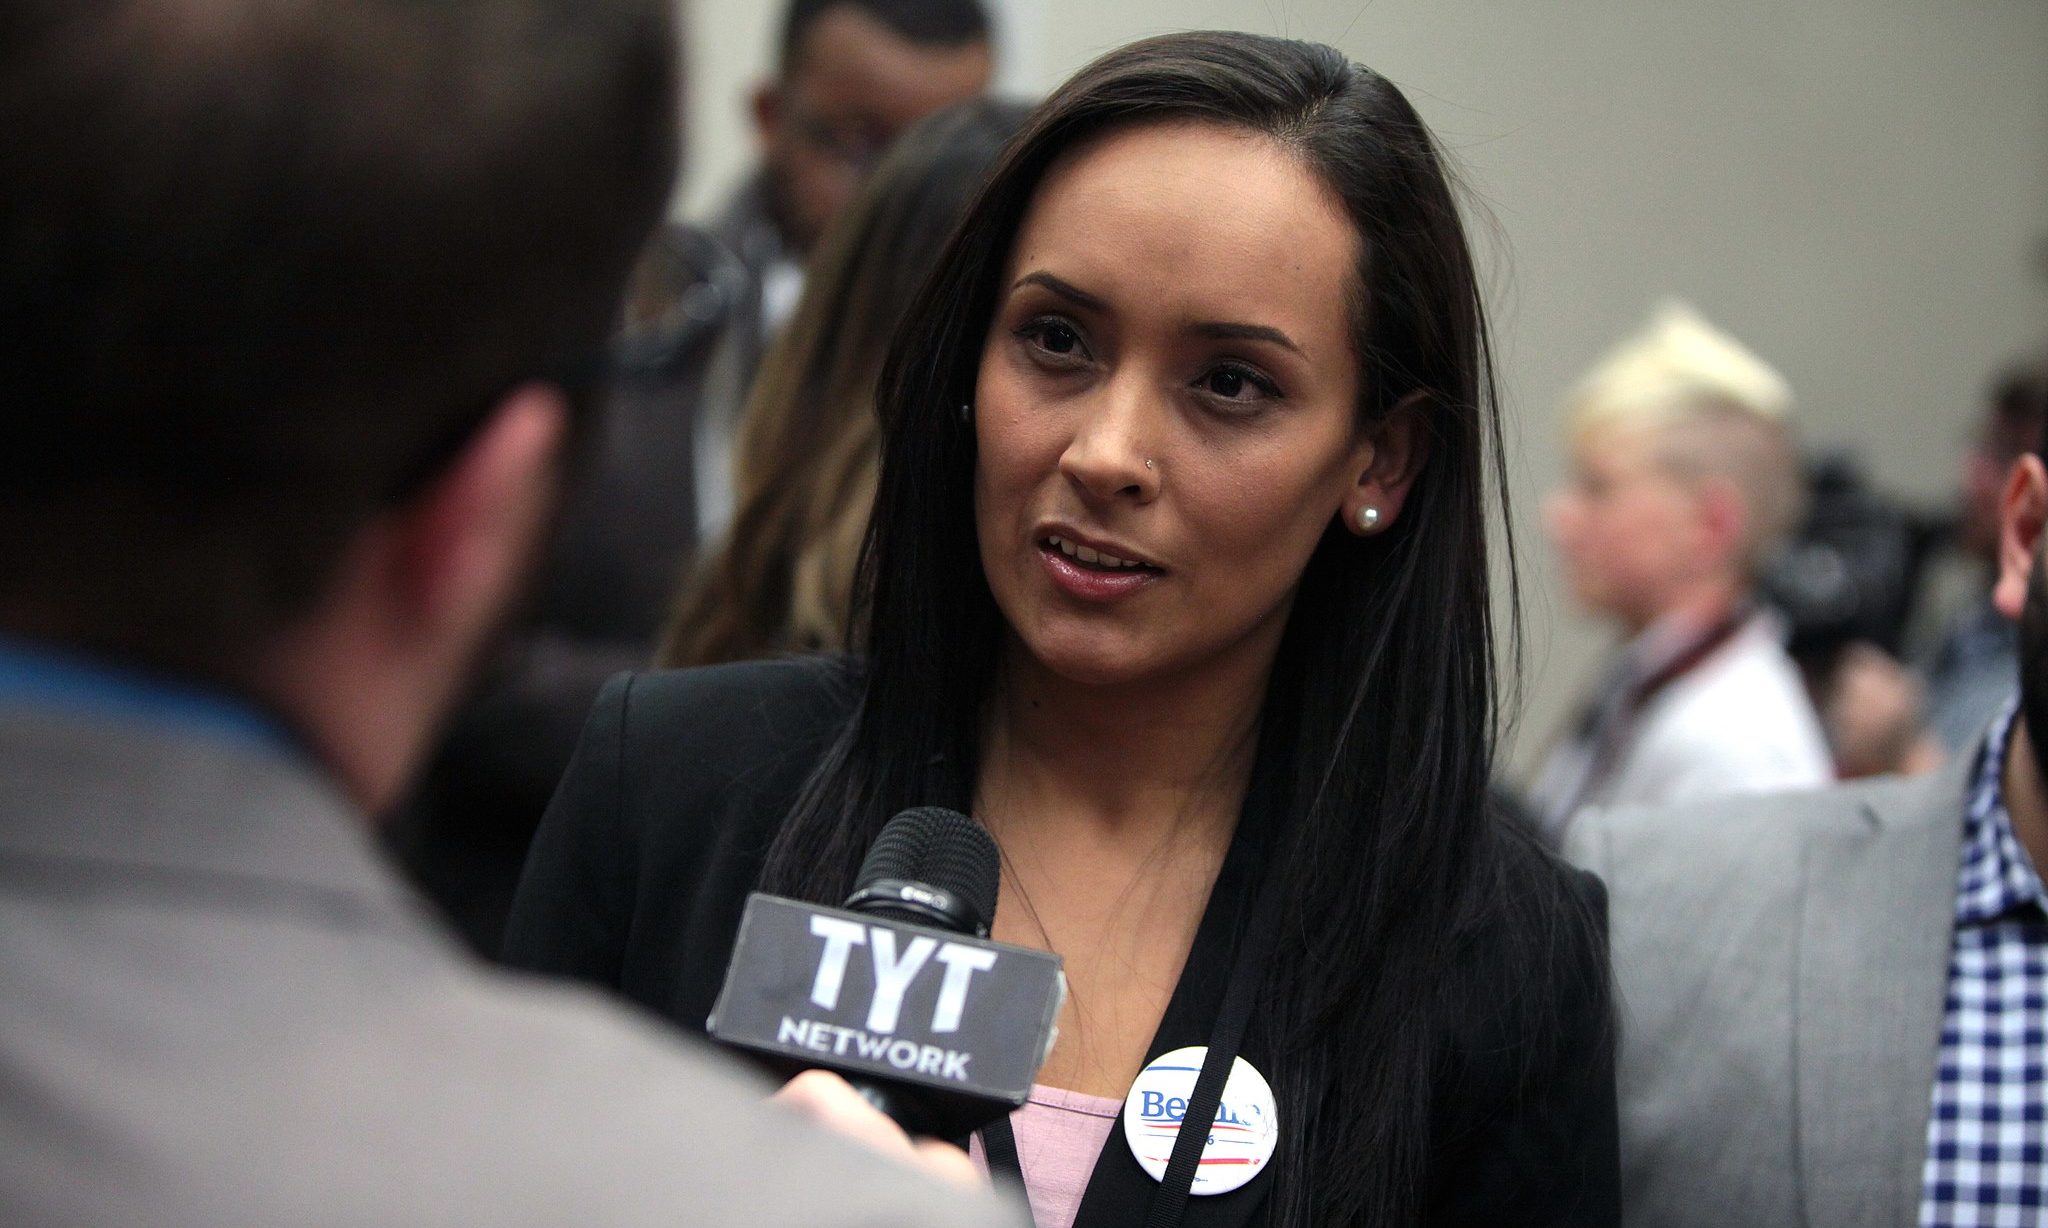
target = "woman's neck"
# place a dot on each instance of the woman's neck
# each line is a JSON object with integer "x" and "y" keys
{"x": 1115, "y": 808}
{"x": 1127, "y": 760}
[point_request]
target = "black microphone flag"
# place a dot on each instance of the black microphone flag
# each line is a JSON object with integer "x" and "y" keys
{"x": 962, "y": 1023}
{"x": 902, "y": 990}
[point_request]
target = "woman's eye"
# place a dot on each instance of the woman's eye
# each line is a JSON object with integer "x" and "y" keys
{"x": 1233, "y": 383}
{"x": 1054, "y": 337}
{"x": 1058, "y": 338}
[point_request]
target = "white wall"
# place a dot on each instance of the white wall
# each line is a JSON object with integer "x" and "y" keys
{"x": 1858, "y": 188}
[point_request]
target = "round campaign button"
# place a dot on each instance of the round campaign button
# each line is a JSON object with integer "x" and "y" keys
{"x": 1241, "y": 1140}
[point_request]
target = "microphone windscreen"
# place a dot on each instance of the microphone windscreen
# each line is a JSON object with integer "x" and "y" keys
{"x": 941, "y": 848}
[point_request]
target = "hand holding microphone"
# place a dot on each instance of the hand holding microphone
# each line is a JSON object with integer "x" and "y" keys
{"x": 830, "y": 1101}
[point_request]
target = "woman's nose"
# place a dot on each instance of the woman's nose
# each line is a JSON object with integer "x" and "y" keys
{"x": 1115, "y": 452}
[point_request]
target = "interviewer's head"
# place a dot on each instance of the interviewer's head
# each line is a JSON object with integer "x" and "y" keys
{"x": 302, "y": 302}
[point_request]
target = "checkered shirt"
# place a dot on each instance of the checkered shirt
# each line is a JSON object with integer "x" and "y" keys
{"x": 1989, "y": 1125}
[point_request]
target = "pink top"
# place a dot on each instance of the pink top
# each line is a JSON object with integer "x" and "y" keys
{"x": 1059, "y": 1135}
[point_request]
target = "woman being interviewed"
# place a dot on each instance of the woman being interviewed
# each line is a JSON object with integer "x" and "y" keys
{"x": 1177, "y": 581}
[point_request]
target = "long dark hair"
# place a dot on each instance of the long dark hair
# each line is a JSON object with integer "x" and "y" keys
{"x": 1379, "y": 720}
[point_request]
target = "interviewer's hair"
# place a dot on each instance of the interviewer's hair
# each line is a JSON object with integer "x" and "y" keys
{"x": 782, "y": 581}
{"x": 266, "y": 264}
{"x": 1379, "y": 719}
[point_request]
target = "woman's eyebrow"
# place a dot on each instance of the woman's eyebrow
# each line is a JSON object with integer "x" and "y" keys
{"x": 1065, "y": 290}
{"x": 1224, "y": 330}
{"x": 1215, "y": 330}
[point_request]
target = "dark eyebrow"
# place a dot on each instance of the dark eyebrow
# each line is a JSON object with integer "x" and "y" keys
{"x": 1224, "y": 331}
{"x": 1217, "y": 330}
{"x": 1063, "y": 289}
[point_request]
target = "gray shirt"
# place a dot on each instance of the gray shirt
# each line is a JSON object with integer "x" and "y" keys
{"x": 222, "y": 1009}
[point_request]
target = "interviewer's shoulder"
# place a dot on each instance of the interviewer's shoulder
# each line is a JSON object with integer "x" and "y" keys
{"x": 623, "y": 1123}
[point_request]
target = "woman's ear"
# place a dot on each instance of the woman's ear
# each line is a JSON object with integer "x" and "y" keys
{"x": 1385, "y": 463}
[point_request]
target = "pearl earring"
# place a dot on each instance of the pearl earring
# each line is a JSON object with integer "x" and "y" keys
{"x": 966, "y": 413}
{"x": 1368, "y": 519}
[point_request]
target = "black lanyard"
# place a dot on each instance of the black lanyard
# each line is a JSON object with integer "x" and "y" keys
{"x": 1226, "y": 1037}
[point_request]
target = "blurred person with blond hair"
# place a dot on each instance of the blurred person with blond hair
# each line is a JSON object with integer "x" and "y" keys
{"x": 1684, "y": 480}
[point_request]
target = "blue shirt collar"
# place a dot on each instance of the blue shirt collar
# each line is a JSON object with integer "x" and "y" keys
{"x": 1998, "y": 878}
{"x": 42, "y": 676}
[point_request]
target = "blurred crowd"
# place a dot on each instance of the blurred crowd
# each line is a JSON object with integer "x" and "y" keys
{"x": 1781, "y": 622}
{"x": 1803, "y": 771}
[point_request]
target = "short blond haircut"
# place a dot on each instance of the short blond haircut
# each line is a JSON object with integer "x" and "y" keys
{"x": 1715, "y": 410}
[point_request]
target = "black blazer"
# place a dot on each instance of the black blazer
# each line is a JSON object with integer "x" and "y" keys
{"x": 640, "y": 870}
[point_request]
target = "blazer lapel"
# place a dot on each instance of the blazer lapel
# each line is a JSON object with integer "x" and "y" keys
{"x": 1878, "y": 910}
{"x": 1119, "y": 1191}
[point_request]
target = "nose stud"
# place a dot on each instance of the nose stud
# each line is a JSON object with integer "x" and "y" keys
{"x": 1148, "y": 462}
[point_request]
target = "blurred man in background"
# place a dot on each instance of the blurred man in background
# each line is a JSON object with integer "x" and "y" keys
{"x": 852, "y": 75}
{"x": 309, "y": 302}
{"x": 1835, "y": 997}
{"x": 705, "y": 301}
{"x": 703, "y": 304}
{"x": 1684, "y": 480}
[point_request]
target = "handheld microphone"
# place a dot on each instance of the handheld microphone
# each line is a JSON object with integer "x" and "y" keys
{"x": 901, "y": 990}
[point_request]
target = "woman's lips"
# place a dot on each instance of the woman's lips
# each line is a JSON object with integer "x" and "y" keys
{"x": 1092, "y": 580}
